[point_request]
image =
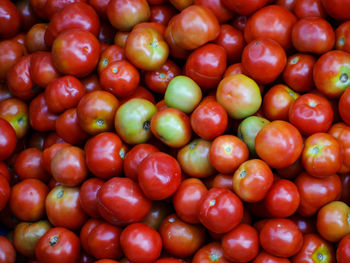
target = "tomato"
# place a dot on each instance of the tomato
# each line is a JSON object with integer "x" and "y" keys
{"x": 277, "y": 101}
{"x": 309, "y": 8}
{"x": 42, "y": 69}
{"x": 14, "y": 51}
{"x": 273, "y": 22}
{"x": 27, "y": 199}
{"x": 311, "y": 105}
{"x": 315, "y": 249}
{"x": 343, "y": 252}
{"x": 283, "y": 198}
{"x": 10, "y": 19}
{"x": 264, "y": 60}
{"x": 322, "y": 155}
{"x": 159, "y": 210}
{"x": 241, "y": 244}
{"x": 7, "y": 251}
{"x": 337, "y": 9}
{"x": 281, "y": 237}
{"x": 27, "y": 15}
{"x": 96, "y": 111}
{"x": 103, "y": 241}
{"x": 211, "y": 252}
{"x": 57, "y": 245}
{"x": 314, "y": 35}
{"x": 124, "y": 15}
{"x": 332, "y": 221}
{"x": 331, "y": 73}
{"x": 181, "y": 239}
{"x": 220, "y": 210}
{"x": 35, "y": 38}
{"x": 27, "y": 235}
{"x": 264, "y": 257}
{"x": 316, "y": 192}
{"x": 68, "y": 166}
{"x": 4, "y": 192}
{"x": 29, "y": 164}
{"x": 75, "y": 52}
{"x": 298, "y": 72}
{"x": 341, "y": 132}
{"x": 343, "y": 106}
{"x": 305, "y": 224}
{"x": 88, "y": 196}
{"x": 121, "y": 201}
{"x": 4, "y": 171}
{"x": 49, "y": 153}
{"x": 342, "y": 37}
{"x": 162, "y": 13}
{"x": 159, "y": 175}
{"x": 63, "y": 208}
{"x": 252, "y": 180}
{"x": 76, "y": 15}
{"x": 206, "y": 64}
{"x": 141, "y": 243}
{"x": 279, "y": 144}
{"x": 194, "y": 26}
{"x": 109, "y": 55}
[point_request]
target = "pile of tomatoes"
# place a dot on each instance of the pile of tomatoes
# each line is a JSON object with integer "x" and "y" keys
{"x": 165, "y": 131}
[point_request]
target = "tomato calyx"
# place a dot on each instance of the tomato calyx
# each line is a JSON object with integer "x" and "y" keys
{"x": 53, "y": 240}
{"x": 60, "y": 194}
{"x": 147, "y": 125}
{"x": 214, "y": 257}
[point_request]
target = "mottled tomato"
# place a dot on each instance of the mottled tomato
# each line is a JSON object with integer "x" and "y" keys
{"x": 27, "y": 199}
{"x": 273, "y": 22}
{"x": 252, "y": 180}
{"x": 121, "y": 201}
{"x": 322, "y": 155}
{"x": 75, "y": 52}
{"x": 281, "y": 237}
{"x": 279, "y": 144}
{"x": 313, "y": 35}
{"x": 316, "y": 192}
{"x": 58, "y": 245}
{"x": 181, "y": 239}
{"x": 333, "y": 221}
{"x": 311, "y": 105}
{"x": 220, "y": 210}
{"x": 264, "y": 60}
{"x": 63, "y": 207}
{"x": 298, "y": 72}
{"x": 141, "y": 243}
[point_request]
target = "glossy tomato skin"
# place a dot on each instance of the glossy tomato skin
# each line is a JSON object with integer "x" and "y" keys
{"x": 344, "y": 105}
{"x": 206, "y": 64}
{"x": 264, "y": 60}
{"x": 315, "y": 248}
{"x": 316, "y": 192}
{"x": 332, "y": 221}
{"x": 277, "y": 101}
{"x": 88, "y": 196}
{"x": 63, "y": 207}
{"x": 188, "y": 33}
{"x": 281, "y": 150}
{"x": 109, "y": 55}
{"x": 76, "y": 52}
{"x": 49, "y": 153}
{"x": 159, "y": 175}
{"x": 34, "y": 39}
{"x": 103, "y": 241}
{"x": 272, "y": 21}
{"x": 220, "y": 10}
{"x": 283, "y": 198}
{"x": 241, "y": 244}
{"x": 322, "y": 155}
{"x": 331, "y": 73}
{"x": 187, "y": 200}
{"x": 314, "y": 35}
{"x": 40, "y": 117}
{"x": 27, "y": 200}
{"x": 85, "y": 230}
{"x": 76, "y": 15}
{"x": 264, "y": 257}
{"x": 8, "y": 139}
{"x": 283, "y": 232}
{"x": 4, "y": 192}
{"x": 121, "y": 201}
{"x": 242, "y": 7}
{"x": 252, "y": 180}
{"x": 220, "y": 210}
{"x": 7, "y": 251}
{"x": 337, "y": 9}
{"x": 102, "y": 155}
{"x": 311, "y": 105}
{"x": 227, "y": 153}
{"x": 211, "y": 252}
{"x": 181, "y": 239}
{"x": 141, "y": 243}
{"x": 57, "y": 245}
{"x": 341, "y": 132}
{"x": 68, "y": 166}
{"x": 343, "y": 250}
{"x": 342, "y": 37}
{"x": 10, "y": 19}
{"x": 309, "y": 8}
{"x": 298, "y": 72}
{"x": 42, "y": 69}
{"x": 14, "y": 53}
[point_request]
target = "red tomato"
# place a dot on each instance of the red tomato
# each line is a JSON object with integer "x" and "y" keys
{"x": 309, "y": 8}
{"x": 4, "y": 192}
{"x": 344, "y": 106}
{"x": 7, "y": 251}
{"x": 220, "y": 210}
{"x": 42, "y": 69}
{"x": 159, "y": 175}
{"x": 343, "y": 250}
{"x": 88, "y": 196}
{"x": 342, "y": 37}
{"x": 244, "y": 7}
{"x": 337, "y": 9}
{"x": 58, "y": 245}
{"x": 141, "y": 243}
{"x": 281, "y": 237}
{"x": 109, "y": 55}
{"x": 8, "y": 139}
{"x": 10, "y": 19}
{"x": 211, "y": 252}
{"x": 342, "y": 132}
{"x": 264, "y": 257}
{"x": 14, "y": 51}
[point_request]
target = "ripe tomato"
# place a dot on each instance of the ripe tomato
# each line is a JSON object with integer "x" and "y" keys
{"x": 211, "y": 252}
{"x": 4, "y": 192}
{"x": 88, "y": 196}
{"x": 343, "y": 250}
{"x": 7, "y": 251}
{"x": 8, "y": 139}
